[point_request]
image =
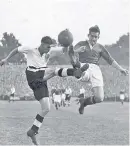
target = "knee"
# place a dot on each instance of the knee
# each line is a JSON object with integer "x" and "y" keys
{"x": 46, "y": 110}
{"x": 99, "y": 99}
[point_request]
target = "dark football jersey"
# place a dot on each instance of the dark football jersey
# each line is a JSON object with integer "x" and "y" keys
{"x": 53, "y": 91}
{"x": 57, "y": 92}
{"x": 63, "y": 90}
{"x": 93, "y": 55}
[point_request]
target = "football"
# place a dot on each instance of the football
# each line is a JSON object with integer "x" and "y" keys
{"x": 65, "y": 38}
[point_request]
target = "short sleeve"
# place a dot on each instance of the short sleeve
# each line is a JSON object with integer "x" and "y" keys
{"x": 24, "y": 49}
{"x": 56, "y": 49}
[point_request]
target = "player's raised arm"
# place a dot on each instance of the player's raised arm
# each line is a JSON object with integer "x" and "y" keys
{"x": 106, "y": 55}
{"x": 56, "y": 48}
{"x": 120, "y": 68}
{"x": 11, "y": 54}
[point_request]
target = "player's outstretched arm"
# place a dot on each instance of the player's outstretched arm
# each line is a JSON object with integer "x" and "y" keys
{"x": 56, "y": 48}
{"x": 120, "y": 68}
{"x": 106, "y": 55}
{"x": 11, "y": 54}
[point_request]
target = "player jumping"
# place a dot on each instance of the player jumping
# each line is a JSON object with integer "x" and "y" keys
{"x": 91, "y": 52}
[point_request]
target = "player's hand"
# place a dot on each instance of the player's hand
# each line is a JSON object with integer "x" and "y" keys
{"x": 2, "y": 62}
{"x": 80, "y": 49}
{"x": 124, "y": 71}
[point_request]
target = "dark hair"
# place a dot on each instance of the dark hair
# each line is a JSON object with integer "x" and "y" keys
{"x": 47, "y": 40}
{"x": 94, "y": 29}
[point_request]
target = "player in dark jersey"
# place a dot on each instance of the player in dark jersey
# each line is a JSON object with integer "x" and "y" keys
{"x": 63, "y": 96}
{"x": 91, "y": 52}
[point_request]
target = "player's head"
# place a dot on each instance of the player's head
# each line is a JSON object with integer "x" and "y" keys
{"x": 45, "y": 46}
{"x": 93, "y": 35}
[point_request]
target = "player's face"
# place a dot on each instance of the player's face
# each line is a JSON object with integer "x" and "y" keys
{"x": 44, "y": 48}
{"x": 93, "y": 37}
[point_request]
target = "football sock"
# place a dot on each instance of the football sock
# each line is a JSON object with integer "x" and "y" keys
{"x": 37, "y": 123}
{"x": 64, "y": 72}
{"x": 89, "y": 101}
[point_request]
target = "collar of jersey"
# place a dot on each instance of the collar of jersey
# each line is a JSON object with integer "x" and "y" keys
{"x": 91, "y": 47}
{"x": 39, "y": 52}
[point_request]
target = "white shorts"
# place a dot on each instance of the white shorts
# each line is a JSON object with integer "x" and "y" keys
{"x": 122, "y": 97}
{"x": 63, "y": 97}
{"x": 57, "y": 98}
{"x": 92, "y": 75}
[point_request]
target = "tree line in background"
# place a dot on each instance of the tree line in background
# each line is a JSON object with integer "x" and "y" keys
{"x": 8, "y": 42}
{"x": 120, "y": 50}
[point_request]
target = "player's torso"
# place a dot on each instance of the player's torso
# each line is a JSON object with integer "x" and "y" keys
{"x": 90, "y": 55}
{"x": 66, "y": 91}
{"x": 57, "y": 91}
{"x": 53, "y": 91}
{"x": 82, "y": 91}
{"x": 57, "y": 96}
{"x": 12, "y": 90}
{"x": 63, "y": 90}
{"x": 35, "y": 59}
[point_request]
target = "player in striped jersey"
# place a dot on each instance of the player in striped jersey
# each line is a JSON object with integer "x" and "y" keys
{"x": 37, "y": 81}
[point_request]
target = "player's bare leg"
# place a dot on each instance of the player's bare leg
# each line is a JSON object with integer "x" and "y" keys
{"x": 122, "y": 101}
{"x": 64, "y": 72}
{"x": 45, "y": 108}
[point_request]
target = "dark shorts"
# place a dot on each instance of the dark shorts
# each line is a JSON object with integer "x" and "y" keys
{"x": 68, "y": 96}
{"x": 81, "y": 95}
{"x": 36, "y": 83}
{"x": 12, "y": 95}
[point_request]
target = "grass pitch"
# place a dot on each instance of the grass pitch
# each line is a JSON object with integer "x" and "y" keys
{"x": 102, "y": 124}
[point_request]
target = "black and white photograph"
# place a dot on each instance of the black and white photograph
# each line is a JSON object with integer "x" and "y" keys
{"x": 64, "y": 72}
